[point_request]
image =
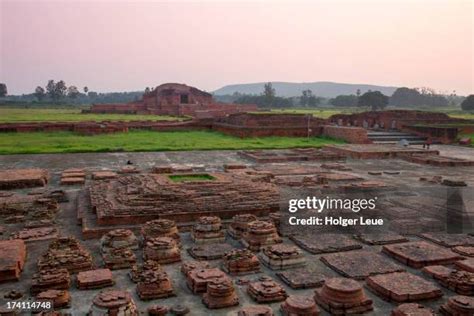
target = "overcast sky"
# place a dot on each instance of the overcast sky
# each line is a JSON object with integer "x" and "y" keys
{"x": 126, "y": 46}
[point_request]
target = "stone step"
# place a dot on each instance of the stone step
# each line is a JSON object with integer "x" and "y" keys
{"x": 390, "y": 142}
{"x": 389, "y": 137}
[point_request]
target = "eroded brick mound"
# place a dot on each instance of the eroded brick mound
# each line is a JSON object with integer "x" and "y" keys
{"x": 153, "y": 284}
{"x": 68, "y": 253}
{"x": 220, "y": 293}
{"x": 418, "y": 254}
{"x": 162, "y": 250}
{"x": 119, "y": 238}
{"x": 412, "y": 309}
{"x": 260, "y": 234}
{"x": 467, "y": 251}
{"x": 240, "y": 261}
{"x": 296, "y": 305}
{"x": 94, "y": 279}
{"x": 265, "y": 290}
{"x": 197, "y": 279}
{"x": 188, "y": 266}
{"x": 12, "y": 259}
{"x": 119, "y": 258}
{"x": 403, "y": 287}
{"x": 126, "y": 200}
{"x": 160, "y": 228}
{"x": 461, "y": 282}
{"x": 60, "y": 298}
{"x": 208, "y": 229}
{"x": 50, "y": 279}
{"x": 325, "y": 243}
{"x": 36, "y": 234}
{"x": 360, "y": 264}
{"x": 342, "y": 296}
{"x": 282, "y": 256}
{"x": 255, "y": 310}
{"x": 117, "y": 249}
{"x": 209, "y": 251}
{"x": 302, "y": 278}
{"x": 239, "y": 225}
{"x": 458, "y": 306}
{"x": 113, "y": 302}
{"x": 23, "y": 178}
{"x": 20, "y": 208}
{"x": 157, "y": 310}
{"x": 138, "y": 270}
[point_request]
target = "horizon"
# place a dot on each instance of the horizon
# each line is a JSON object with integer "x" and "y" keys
{"x": 209, "y": 45}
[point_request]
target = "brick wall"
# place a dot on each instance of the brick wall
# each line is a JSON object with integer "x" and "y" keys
{"x": 354, "y": 135}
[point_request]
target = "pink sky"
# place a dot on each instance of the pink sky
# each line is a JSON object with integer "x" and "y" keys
{"x": 126, "y": 46}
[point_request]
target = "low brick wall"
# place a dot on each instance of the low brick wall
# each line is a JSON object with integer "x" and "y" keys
{"x": 354, "y": 135}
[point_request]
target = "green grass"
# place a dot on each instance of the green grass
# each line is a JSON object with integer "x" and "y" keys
{"x": 138, "y": 140}
{"x": 13, "y": 115}
{"x": 327, "y": 112}
{"x": 191, "y": 177}
{"x": 471, "y": 136}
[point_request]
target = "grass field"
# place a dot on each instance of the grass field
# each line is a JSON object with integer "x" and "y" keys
{"x": 12, "y": 115}
{"x": 327, "y": 112}
{"x": 68, "y": 142}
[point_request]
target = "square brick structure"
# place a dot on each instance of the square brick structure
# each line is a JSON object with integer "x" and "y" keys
{"x": 23, "y": 178}
{"x": 360, "y": 264}
{"x": 12, "y": 259}
{"x": 403, "y": 287}
{"x": 94, "y": 279}
{"x": 418, "y": 254}
{"x": 325, "y": 243}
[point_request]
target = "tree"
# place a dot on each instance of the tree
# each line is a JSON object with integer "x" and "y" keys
{"x": 50, "y": 89}
{"x": 39, "y": 93}
{"x": 60, "y": 89}
{"x": 72, "y": 92}
{"x": 147, "y": 90}
{"x": 3, "y": 90}
{"x": 468, "y": 103}
{"x": 269, "y": 94}
{"x": 358, "y": 93}
{"x": 304, "y": 97}
{"x": 85, "y": 89}
{"x": 406, "y": 97}
{"x": 344, "y": 100}
{"x": 373, "y": 99}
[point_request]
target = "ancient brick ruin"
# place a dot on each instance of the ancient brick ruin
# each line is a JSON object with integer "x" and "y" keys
{"x": 23, "y": 178}
{"x": 175, "y": 99}
{"x": 340, "y": 296}
{"x": 13, "y": 253}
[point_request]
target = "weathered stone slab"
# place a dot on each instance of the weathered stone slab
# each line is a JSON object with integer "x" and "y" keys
{"x": 209, "y": 251}
{"x": 449, "y": 240}
{"x": 418, "y": 254}
{"x": 403, "y": 287}
{"x": 383, "y": 238}
{"x": 302, "y": 278}
{"x": 461, "y": 282}
{"x": 467, "y": 251}
{"x": 325, "y": 243}
{"x": 466, "y": 265}
{"x": 360, "y": 264}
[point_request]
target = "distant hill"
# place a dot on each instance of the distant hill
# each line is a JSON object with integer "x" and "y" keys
{"x": 292, "y": 89}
